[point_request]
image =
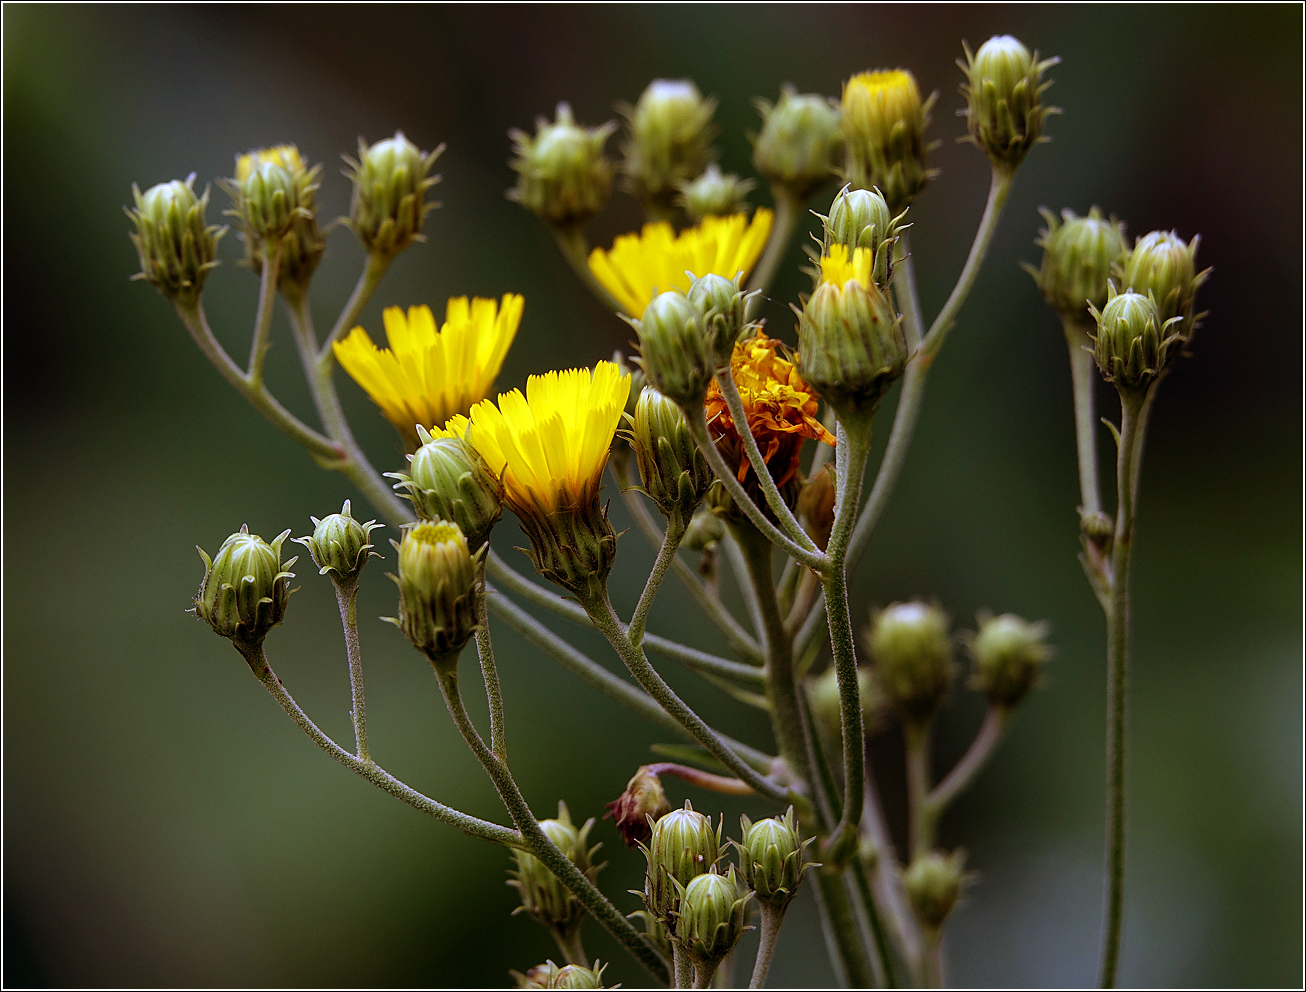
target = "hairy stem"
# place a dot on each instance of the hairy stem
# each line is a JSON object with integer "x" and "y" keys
{"x": 918, "y": 788}
{"x": 849, "y": 957}
{"x": 347, "y": 600}
{"x": 963, "y": 773}
{"x": 267, "y": 296}
{"x": 571, "y": 948}
{"x": 368, "y": 280}
{"x": 489, "y": 671}
{"x": 1083, "y": 378}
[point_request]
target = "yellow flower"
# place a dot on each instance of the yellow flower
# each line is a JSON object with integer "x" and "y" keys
{"x": 875, "y": 101}
{"x": 639, "y": 266}
{"x": 427, "y": 376}
{"x": 884, "y": 125}
{"x": 837, "y": 268}
{"x": 286, "y": 156}
{"x": 550, "y": 446}
{"x": 781, "y": 411}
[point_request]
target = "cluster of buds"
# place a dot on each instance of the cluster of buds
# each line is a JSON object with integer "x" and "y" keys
{"x": 675, "y": 473}
{"x": 447, "y": 479}
{"x": 800, "y": 141}
{"x": 1003, "y": 90}
{"x": 563, "y": 175}
{"x": 245, "y": 588}
{"x": 274, "y": 204}
{"x": 176, "y": 245}
{"x": 438, "y": 589}
{"x": 389, "y": 205}
{"x": 543, "y": 895}
{"x": 669, "y": 140}
{"x": 340, "y": 545}
{"x": 1162, "y": 265}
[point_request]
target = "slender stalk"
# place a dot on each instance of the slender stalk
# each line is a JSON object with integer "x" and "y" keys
{"x": 666, "y": 554}
{"x": 722, "y": 784}
{"x": 267, "y": 295}
{"x": 963, "y": 773}
{"x": 368, "y": 280}
{"x": 573, "y": 951}
{"x": 347, "y": 600}
{"x": 1131, "y": 406}
{"x": 752, "y": 602}
{"x": 599, "y": 607}
{"x": 197, "y": 324}
{"x": 904, "y": 285}
{"x": 850, "y": 958}
{"x": 489, "y": 671}
{"x": 932, "y": 958}
{"x": 918, "y": 788}
{"x": 1083, "y": 377}
{"x": 774, "y": 500}
{"x": 257, "y": 659}
{"x": 866, "y": 895}
{"x": 886, "y": 879}
{"x": 698, "y": 428}
{"x": 575, "y": 249}
{"x": 536, "y": 840}
{"x": 788, "y": 208}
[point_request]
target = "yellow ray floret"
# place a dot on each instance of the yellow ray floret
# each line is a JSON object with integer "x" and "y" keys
{"x": 639, "y": 266}
{"x": 837, "y": 268}
{"x": 427, "y": 376}
{"x": 286, "y": 156}
{"x": 550, "y": 446}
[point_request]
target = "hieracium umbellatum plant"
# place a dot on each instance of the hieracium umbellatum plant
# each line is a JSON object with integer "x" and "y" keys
{"x": 743, "y": 443}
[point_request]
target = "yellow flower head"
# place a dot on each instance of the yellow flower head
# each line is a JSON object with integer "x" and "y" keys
{"x": 550, "y": 446}
{"x": 875, "y": 101}
{"x": 884, "y": 125}
{"x": 639, "y": 266}
{"x": 781, "y": 410}
{"x": 286, "y": 156}
{"x": 837, "y": 268}
{"x": 427, "y": 376}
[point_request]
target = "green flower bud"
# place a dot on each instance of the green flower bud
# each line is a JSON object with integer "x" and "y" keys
{"x": 448, "y": 480}
{"x": 771, "y": 857}
{"x": 859, "y": 218}
{"x": 704, "y": 532}
{"x": 1133, "y": 344}
{"x": 389, "y": 201}
{"x": 674, "y": 471}
{"x": 673, "y": 353}
{"x": 573, "y": 976}
{"x": 538, "y": 977}
{"x": 643, "y": 803}
{"x": 1008, "y": 654}
{"x": 563, "y": 177}
{"x": 245, "y": 588}
{"x": 722, "y": 306}
{"x": 542, "y": 894}
{"x": 823, "y": 697}
{"x": 340, "y": 544}
{"x": 1162, "y": 264}
{"x": 275, "y": 198}
{"x": 1003, "y": 91}
{"x": 934, "y": 881}
{"x": 851, "y": 346}
{"x": 884, "y": 125}
{"x": 711, "y": 916}
{"x": 714, "y": 194}
{"x": 816, "y": 505}
{"x": 176, "y": 246}
{"x": 670, "y": 139}
{"x": 1079, "y": 254}
{"x": 800, "y": 141}
{"x": 437, "y": 590}
{"x": 682, "y": 846}
{"x": 912, "y": 652}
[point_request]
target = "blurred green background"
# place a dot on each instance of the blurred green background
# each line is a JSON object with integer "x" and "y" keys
{"x": 165, "y": 824}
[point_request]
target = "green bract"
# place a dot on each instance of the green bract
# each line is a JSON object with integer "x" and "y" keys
{"x": 683, "y": 845}
{"x": 672, "y": 349}
{"x": 1163, "y": 265}
{"x": 934, "y": 881}
{"x": 800, "y": 141}
{"x": 437, "y": 589}
{"x": 771, "y": 858}
{"x": 1133, "y": 344}
{"x": 1079, "y": 255}
{"x": 1003, "y": 91}
{"x": 543, "y": 896}
{"x": 245, "y": 587}
{"x": 674, "y": 472}
{"x": 340, "y": 544}
{"x": 710, "y": 920}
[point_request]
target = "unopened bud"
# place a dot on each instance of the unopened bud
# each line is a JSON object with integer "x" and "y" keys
{"x": 437, "y": 590}
{"x": 1009, "y": 653}
{"x": 800, "y": 141}
{"x": 542, "y": 894}
{"x": 672, "y": 350}
{"x": 912, "y": 652}
{"x": 704, "y": 532}
{"x": 884, "y": 125}
{"x": 562, "y": 174}
{"x": 674, "y": 472}
{"x": 636, "y": 810}
{"x": 816, "y": 505}
{"x": 1133, "y": 344}
{"x": 859, "y": 218}
{"x": 1003, "y": 90}
{"x": 715, "y": 194}
{"x": 177, "y": 247}
{"x": 340, "y": 544}
{"x": 670, "y": 139}
{"x": 710, "y": 920}
{"x": 682, "y": 846}
{"x": 934, "y": 882}
{"x": 275, "y": 198}
{"x": 771, "y": 857}
{"x": 827, "y": 708}
{"x": 245, "y": 588}
{"x": 1163, "y": 264}
{"x": 1079, "y": 255}
{"x": 448, "y": 480}
{"x": 389, "y": 201}
{"x": 722, "y": 306}
{"x": 574, "y": 976}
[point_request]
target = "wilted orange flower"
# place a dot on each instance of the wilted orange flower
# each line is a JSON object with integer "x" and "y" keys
{"x": 781, "y": 411}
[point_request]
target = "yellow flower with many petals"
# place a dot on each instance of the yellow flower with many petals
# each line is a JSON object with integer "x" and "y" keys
{"x": 639, "y": 266}
{"x": 427, "y": 376}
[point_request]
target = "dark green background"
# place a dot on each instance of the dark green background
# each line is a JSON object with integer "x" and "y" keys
{"x": 164, "y": 823}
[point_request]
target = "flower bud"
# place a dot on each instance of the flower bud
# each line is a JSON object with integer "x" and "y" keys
{"x": 722, "y": 306}
{"x": 245, "y": 588}
{"x": 643, "y": 801}
{"x": 912, "y": 652}
{"x": 1079, "y": 254}
{"x": 670, "y": 139}
{"x": 714, "y": 194}
{"x": 538, "y": 977}
{"x": 674, "y": 471}
{"x": 340, "y": 544}
{"x": 851, "y": 346}
{"x": 827, "y": 708}
{"x": 563, "y": 177}
{"x": 771, "y": 858}
{"x": 672, "y": 350}
{"x": 710, "y": 920}
{"x": 1162, "y": 264}
{"x": 800, "y": 141}
{"x": 1133, "y": 344}
{"x": 816, "y": 505}
{"x": 859, "y": 218}
{"x": 389, "y": 201}
{"x": 574, "y": 976}
{"x": 448, "y": 480}
{"x": 1008, "y": 654}
{"x": 704, "y": 532}
{"x": 1003, "y": 91}
{"x": 275, "y": 200}
{"x": 682, "y": 846}
{"x": 542, "y": 894}
{"x": 934, "y": 882}
{"x": 175, "y": 244}
{"x": 884, "y": 125}
{"x": 437, "y": 589}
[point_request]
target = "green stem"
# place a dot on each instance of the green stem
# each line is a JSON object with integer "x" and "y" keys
{"x": 347, "y": 600}
{"x": 368, "y": 280}
{"x": 681, "y": 966}
{"x": 849, "y": 957}
{"x": 1083, "y": 377}
{"x": 666, "y": 555}
{"x": 788, "y": 208}
{"x": 862, "y": 881}
{"x": 569, "y": 944}
{"x": 703, "y": 972}
{"x": 964, "y": 771}
{"x": 575, "y": 249}
{"x": 197, "y": 324}
{"x": 599, "y": 607}
{"x": 1131, "y": 407}
{"x": 368, "y": 769}
{"x": 904, "y": 285}
{"x": 886, "y": 880}
{"x": 917, "y": 736}
{"x": 267, "y": 295}
{"x": 489, "y": 671}
{"x": 932, "y": 958}
{"x": 536, "y": 840}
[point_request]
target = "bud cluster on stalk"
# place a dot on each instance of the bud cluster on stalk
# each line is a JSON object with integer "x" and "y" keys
{"x": 245, "y": 588}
